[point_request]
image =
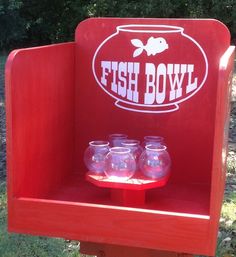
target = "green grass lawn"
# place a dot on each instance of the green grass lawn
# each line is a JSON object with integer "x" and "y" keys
{"x": 227, "y": 233}
{"x": 16, "y": 245}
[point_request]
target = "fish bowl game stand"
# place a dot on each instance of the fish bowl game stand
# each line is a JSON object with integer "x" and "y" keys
{"x": 168, "y": 77}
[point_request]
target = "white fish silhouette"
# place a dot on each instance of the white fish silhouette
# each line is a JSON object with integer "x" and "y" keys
{"x": 153, "y": 46}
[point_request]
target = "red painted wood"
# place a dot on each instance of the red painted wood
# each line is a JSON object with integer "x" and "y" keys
{"x": 40, "y": 114}
{"x": 171, "y": 198}
{"x": 130, "y": 192}
{"x": 137, "y": 182}
{"x": 54, "y": 107}
{"x": 225, "y": 75}
{"x": 111, "y": 225}
{"x": 180, "y": 129}
{"x": 128, "y": 197}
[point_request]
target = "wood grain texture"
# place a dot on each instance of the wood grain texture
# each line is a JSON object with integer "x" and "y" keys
{"x": 40, "y": 114}
{"x": 188, "y": 132}
{"x": 178, "y": 198}
{"x": 137, "y": 182}
{"x": 111, "y": 225}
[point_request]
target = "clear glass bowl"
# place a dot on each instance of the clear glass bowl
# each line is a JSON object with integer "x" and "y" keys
{"x": 94, "y": 156}
{"x": 134, "y": 146}
{"x": 120, "y": 164}
{"x": 116, "y": 139}
{"x": 155, "y": 161}
{"x": 153, "y": 140}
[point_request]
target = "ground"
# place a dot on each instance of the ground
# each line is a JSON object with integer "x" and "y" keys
{"x": 12, "y": 245}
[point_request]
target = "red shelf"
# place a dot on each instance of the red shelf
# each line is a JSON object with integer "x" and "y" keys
{"x": 175, "y": 197}
{"x": 129, "y": 192}
{"x": 137, "y": 182}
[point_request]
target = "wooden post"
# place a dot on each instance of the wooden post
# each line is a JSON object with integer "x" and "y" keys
{"x": 107, "y": 250}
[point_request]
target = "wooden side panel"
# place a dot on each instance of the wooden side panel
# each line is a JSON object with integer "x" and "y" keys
{"x": 112, "y": 225}
{"x": 221, "y": 140}
{"x": 40, "y": 115}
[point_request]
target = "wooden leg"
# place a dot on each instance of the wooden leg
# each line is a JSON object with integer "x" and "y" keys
{"x": 106, "y": 250}
{"x": 128, "y": 197}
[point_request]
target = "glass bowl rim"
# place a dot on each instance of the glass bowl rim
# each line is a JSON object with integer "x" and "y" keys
{"x": 154, "y": 138}
{"x": 130, "y": 142}
{"x": 155, "y": 147}
{"x": 119, "y": 149}
{"x": 118, "y": 135}
{"x": 99, "y": 143}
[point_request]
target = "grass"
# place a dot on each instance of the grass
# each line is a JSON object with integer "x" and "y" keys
{"x": 16, "y": 245}
{"x": 226, "y": 246}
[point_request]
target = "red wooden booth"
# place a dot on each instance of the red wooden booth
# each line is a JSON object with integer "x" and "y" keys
{"x": 168, "y": 77}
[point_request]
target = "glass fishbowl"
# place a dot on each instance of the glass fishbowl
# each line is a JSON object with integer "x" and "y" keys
{"x": 116, "y": 139}
{"x": 120, "y": 164}
{"x": 155, "y": 161}
{"x": 94, "y": 156}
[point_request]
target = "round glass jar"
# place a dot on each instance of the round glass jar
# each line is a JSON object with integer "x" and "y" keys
{"x": 155, "y": 161}
{"x": 134, "y": 146}
{"x": 120, "y": 164}
{"x": 153, "y": 140}
{"x": 116, "y": 139}
{"x": 94, "y": 156}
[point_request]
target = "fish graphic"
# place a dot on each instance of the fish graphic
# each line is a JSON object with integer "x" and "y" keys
{"x": 154, "y": 46}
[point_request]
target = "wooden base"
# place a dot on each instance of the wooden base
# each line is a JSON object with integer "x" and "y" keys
{"x": 129, "y": 192}
{"x": 137, "y": 182}
{"x": 107, "y": 250}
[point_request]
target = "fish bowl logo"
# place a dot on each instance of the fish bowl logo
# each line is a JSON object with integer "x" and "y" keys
{"x": 153, "y": 46}
{"x": 148, "y": 87}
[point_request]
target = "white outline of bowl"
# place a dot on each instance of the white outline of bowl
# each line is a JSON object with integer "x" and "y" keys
{"x": 174, "y": 30}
